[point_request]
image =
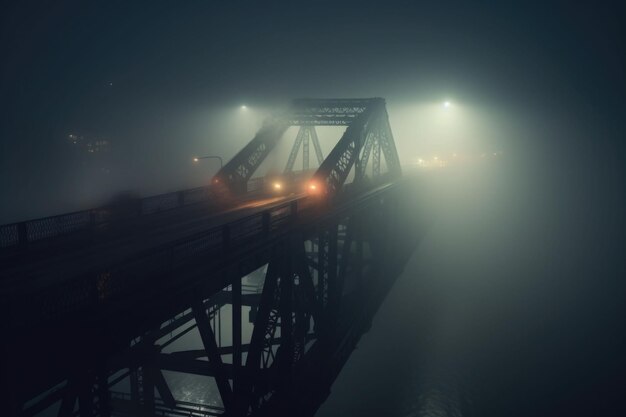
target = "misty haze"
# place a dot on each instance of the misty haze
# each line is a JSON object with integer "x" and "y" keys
{"x": 324, "y": 208}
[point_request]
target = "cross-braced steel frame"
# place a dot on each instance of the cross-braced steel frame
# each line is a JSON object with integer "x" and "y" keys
{"x": 367, "y": 131}
{"x": 315, "y": 291}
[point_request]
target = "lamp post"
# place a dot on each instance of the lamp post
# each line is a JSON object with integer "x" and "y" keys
{"x": 219, "y": 158}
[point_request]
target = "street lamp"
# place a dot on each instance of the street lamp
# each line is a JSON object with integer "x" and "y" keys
{"x": 198, "y": 158}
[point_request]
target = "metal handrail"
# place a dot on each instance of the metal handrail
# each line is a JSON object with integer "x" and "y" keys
{"x": 96, "y": 288}
{"x": 20, "y": 233}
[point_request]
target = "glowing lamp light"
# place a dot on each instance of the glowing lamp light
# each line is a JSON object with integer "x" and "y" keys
{"x": 195, "y": 159}
{"x": 278, "y": 186}
{"x": 313, "y": 188}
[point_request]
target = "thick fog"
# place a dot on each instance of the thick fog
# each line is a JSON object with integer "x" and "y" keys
{"x": 513, "y": 303}
{"x": 510, "y": 121}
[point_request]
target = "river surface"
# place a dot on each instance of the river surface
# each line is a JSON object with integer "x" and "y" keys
{"x": 512, "y": 305}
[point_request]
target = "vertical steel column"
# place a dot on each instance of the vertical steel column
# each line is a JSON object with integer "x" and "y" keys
{"x": 286, "y": 312}
{"x": 259, "y": 332}
{"x": 316, "y": 145}
{"x": 236, "y": 318}
{"x": 294, "y": 150}
{"x": 210, "y": 347}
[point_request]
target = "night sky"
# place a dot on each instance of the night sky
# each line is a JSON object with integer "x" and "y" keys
{"x": 131, "y": 71}
{"x": 545, "y": 83}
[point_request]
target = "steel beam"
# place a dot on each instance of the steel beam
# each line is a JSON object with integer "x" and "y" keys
{"x": 208, "y": 340}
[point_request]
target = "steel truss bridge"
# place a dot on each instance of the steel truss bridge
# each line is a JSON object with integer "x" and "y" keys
{"x": 96, "y": 304}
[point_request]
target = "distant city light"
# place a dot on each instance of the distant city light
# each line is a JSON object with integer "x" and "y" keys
{"x": 88, "y": 143}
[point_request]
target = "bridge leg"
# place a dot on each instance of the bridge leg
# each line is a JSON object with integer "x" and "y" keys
{"x": 286, "y": 319}
{"x": 236, "y": 322}
{"x": 210, "y": 347}
{"x": 326, "y": 272}
{"x": 261, "y": 331}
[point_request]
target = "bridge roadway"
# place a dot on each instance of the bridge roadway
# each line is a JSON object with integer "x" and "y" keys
{"x": 51, "y": 268}
{"x": 56, "y": 348}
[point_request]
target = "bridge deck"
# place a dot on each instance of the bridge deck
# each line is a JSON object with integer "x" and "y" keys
{"x": 160, "y": 229}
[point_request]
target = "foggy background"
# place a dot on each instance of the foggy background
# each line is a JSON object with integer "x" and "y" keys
{"x": 512, "y": 305}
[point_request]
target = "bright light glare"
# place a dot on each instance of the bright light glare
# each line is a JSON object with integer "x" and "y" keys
{"x": 278, "y": 186}
{"x": 313, "y": 187}
{"x": 195, "y": 159}
{"x": 244, "y": 107}
{"x": 446, "y": 104}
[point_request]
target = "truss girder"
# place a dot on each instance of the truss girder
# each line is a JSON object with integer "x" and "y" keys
{"x": 294, "y": 150}
{"x": 284, "y": 349}
{"x": 370, "y": 132}
{"x": 367, "y": 149}
{"x": 327, "y": 112}
{"x": 376, "y": 159}
{"x": 210, "y": 346}
{"x": 316, "y": 146}
{"x": 240, "y": 168}
{"x": 388, "y": 145}
{"x": 306, "y": 134}
{"x": 336, "y": 167}
{"x": 363, "y": 118}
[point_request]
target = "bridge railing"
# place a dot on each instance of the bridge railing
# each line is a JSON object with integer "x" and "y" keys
{"x": 22, "y": 233}
{"x": 15, "y": 235}
{"x": 93, "y": 290}
{"x": 90, "y": 290}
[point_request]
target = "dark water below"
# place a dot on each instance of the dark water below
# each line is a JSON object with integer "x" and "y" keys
{"x": 512, "y": 305}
